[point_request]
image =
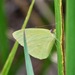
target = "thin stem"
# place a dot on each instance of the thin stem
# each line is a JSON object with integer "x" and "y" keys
{"x": 14, "y": 49}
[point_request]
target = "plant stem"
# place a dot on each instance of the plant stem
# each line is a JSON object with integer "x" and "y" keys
{"x": 60, "y": 37}
{"x": 14, "y": 49}
{"x": 70, "y": 37}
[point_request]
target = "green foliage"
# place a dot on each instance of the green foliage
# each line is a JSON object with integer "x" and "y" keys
{"x": 9, "y": 60}
{"x": 29, "y": 67}
{"x": 14, "y": 49}
{"x": 59, "y": 36}
{"x": 3, "y": 38}
{"x": 70, "y": 37}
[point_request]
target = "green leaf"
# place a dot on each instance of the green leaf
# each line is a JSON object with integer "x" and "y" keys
{"x": 29, "y": 67}
{"x": 70, "y": 37}
{"x": 14, "y": 49}
{"x": 9, "y": 61}
{"x": 40, "y": 41}
{"x": 4, "y": 46}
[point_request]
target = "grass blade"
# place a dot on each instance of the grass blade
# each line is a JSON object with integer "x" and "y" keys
{"x": 29, "y": 67}
{"x": 4, "y": 49}
{"x": 70, "y": 37}
{"x": 9, "y": 60}
{"x": 28, "y": 14}
{"x": 60, "y": 36}
{"x": 14, "y": 49}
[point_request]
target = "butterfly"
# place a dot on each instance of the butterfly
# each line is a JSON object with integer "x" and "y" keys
{"x": 39, "y": 41}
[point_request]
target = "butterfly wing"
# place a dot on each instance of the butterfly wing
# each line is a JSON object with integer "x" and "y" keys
{"x": 39, "y": 41}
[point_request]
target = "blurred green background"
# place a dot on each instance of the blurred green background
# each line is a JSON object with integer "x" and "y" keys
{"x": 12, "y": 15}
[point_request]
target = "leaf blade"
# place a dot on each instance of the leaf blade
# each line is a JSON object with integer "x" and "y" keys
{"x": 29, "y": 67}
